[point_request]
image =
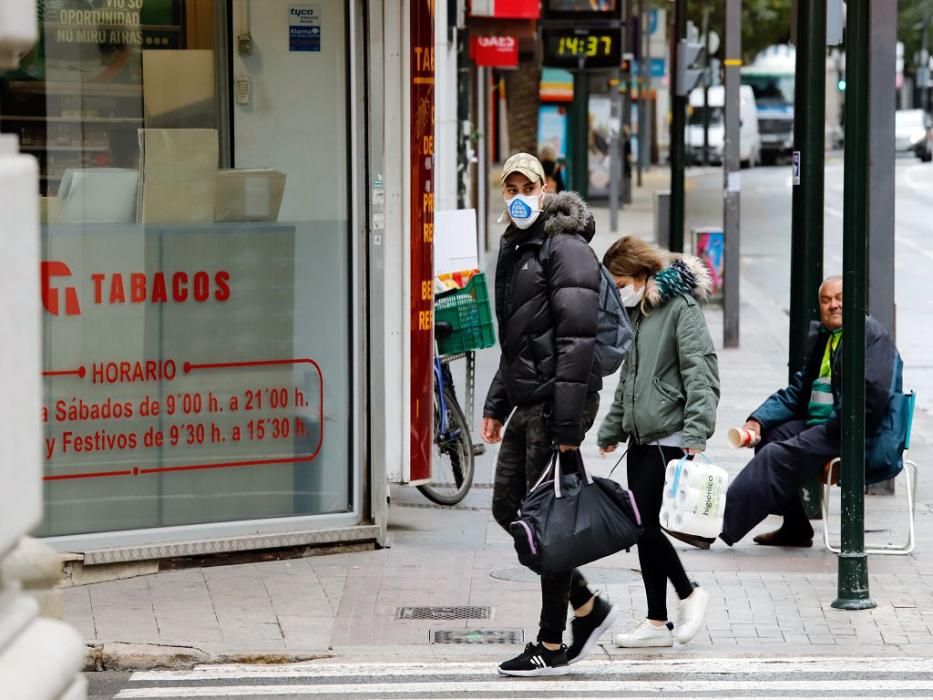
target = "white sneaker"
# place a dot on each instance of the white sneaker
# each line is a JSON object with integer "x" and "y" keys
{"x": 647, "y": 635}
{"x": 692, "y": 615}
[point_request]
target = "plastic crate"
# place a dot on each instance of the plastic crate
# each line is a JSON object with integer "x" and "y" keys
{"x": 468, "y": 311}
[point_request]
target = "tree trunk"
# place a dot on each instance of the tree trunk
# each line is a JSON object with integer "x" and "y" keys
{"x": 522, "y": 98}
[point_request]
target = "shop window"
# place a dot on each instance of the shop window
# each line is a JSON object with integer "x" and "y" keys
{"x": 196, "y": 317}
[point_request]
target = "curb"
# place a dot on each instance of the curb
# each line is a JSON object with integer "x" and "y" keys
{"x": 126, "y": 656}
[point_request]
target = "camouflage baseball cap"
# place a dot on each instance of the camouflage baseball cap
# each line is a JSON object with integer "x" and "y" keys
{"x": 526, "y": 164}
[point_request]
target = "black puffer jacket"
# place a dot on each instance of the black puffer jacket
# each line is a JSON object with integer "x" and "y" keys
{"x": 547, "y": 311}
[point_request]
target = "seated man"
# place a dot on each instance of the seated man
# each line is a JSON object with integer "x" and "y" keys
{"x": 799, "y": 427}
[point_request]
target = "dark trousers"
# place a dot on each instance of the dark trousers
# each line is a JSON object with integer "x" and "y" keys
{"x": 525, "y": 453}
{"x": 656, "y": 555}
{"x": 770, "y": 484}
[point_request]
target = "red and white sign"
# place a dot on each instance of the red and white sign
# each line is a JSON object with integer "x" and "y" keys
{"x": 422, "y": 239}
{"x": 494, "y": 51}
{"x": 506, "y": 9}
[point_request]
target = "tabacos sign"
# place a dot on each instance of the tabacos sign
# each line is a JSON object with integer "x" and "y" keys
{"x": 62, "y": 291}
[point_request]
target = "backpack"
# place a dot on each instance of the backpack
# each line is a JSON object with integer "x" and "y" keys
{"x": 613, "y": 328}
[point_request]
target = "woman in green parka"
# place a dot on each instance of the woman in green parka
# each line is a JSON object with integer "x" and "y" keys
{"x": 665, "y": 407}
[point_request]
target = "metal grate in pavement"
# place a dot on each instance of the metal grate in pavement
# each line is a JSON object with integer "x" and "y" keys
{"x": 450, "y": 612}
{"x": 477, "y": 636}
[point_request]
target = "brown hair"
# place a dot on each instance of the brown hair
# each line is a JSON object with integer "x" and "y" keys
{"x": 632, "y": 257}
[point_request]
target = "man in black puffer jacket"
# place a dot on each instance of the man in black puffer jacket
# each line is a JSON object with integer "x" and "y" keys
{"x": 547, "y": 303}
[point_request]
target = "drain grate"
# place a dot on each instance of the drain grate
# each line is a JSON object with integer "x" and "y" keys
{"x": 450, "y": 612}
{"x": 477, "y": 636}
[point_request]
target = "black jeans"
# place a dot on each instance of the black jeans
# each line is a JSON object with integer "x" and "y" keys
{"x": 656, "y": 555}
{"x": 525, "y": 453}
{"x": 770, "y": 483}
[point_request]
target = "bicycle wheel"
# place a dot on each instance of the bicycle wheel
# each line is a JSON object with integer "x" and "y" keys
{"x": 452, "y": 456}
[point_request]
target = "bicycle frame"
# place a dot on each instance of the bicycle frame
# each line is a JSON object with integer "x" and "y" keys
{"x": 439, "y": 389}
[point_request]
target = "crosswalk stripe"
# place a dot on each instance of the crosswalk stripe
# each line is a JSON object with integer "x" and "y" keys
{"x": 505, "y": 687}
{"x": 621, "y": 668}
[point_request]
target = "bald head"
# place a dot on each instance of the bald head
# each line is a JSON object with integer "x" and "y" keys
{"x": 834, "y": 279}
{"x": 831, "y": 303}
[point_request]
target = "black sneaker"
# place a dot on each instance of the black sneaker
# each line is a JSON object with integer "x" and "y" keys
{"x": 588, "y": 629}
{"x": 537, "y": 661}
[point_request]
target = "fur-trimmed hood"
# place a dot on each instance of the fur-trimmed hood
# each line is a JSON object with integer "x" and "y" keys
{"x": 685, "y": 275}
{"x": 566, "y": 212}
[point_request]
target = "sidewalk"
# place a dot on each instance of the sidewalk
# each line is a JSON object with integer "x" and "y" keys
{"x": 765, "y": 601}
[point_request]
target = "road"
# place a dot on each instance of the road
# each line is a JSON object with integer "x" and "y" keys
{"x": 766, "y": 226}
{"x": 674, "y": 674}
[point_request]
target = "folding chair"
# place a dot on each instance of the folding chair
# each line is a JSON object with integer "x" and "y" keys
{"x": 831, "y": 478}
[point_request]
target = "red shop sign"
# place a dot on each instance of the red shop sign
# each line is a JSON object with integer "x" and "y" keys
{"x": 421, "y": 162}
{"x": 506, "y": 9}
{"x": 494, "y": 51}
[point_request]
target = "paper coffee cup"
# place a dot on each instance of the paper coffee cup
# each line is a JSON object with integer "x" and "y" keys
{"x": 740, "y": 437}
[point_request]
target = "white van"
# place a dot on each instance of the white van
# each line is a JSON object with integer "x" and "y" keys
{"x": 749, "y": 140}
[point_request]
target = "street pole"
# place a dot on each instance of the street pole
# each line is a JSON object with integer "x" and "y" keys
{"x": 580, "y": 131}
{"x": 853, "y": 593}
{"x": 628, "y": 45}
{"x": 730, "y": 170}
{"x": 807, "y": 205}
{"x": 640, "y": 58}
{"x": 706, "y": 86}
{"x": 925, "y": 56}
{"x": 883, "y": 59}
{"x": 615, "y": 153}
{"x": 644, "y": 92}
{"x": 482, "y": 151}
{"x": 678, "y": 123}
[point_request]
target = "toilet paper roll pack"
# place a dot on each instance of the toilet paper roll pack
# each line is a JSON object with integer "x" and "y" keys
{"x": 694, "y": 475}
{"x": 694, "y": 498}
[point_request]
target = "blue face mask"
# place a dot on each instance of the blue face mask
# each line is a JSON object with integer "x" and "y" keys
{"x": 524, "y": 209}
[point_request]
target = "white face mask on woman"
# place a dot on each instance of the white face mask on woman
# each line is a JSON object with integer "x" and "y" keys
{"x": 631, "y": 296}
{"x": 524, "y": 209}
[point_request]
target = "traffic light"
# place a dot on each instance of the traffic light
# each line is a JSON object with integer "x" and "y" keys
{"x": 841, "y": 85}
{"x": 690, "y": 55}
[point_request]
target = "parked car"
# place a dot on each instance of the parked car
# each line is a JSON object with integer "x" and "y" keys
{"x": 913, "y": 133}
{"x": 749, "y": 138}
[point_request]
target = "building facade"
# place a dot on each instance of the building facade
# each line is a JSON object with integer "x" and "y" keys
{"x": 237, "y": 206}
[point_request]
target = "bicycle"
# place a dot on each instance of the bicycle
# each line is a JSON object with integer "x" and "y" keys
{"x": 452, "y": 455}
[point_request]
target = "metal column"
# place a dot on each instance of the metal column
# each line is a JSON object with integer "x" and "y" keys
{"x": 882, "y": 53}
{"x": 730, "y": 169}
{"x": 644, "y": 93}
{"x": 853, "y": 593}
{"x": 580, "y": 132}
{"x": 628, "y": 46}
{"x": 482, "y": 150}
{"x": 615, "y": 154}
{"x": 678, "y": 123}
{"x": 706, "y": 82}
{"x": 881, "y": 163}
{"x": 807, "y": 215}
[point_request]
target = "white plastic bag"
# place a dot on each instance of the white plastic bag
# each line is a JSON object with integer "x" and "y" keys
{"x": 694, "y": 497}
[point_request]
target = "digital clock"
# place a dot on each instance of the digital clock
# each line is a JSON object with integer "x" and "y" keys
{"x": 582, "y": 48}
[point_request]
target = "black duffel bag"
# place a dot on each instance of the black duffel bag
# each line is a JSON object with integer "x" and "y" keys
{"x": 571, "y": 519}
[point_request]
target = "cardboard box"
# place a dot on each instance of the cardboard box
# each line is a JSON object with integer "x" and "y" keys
{"x": 98, "y": 196}
{"x": 249, "y": 195}
{"x": 178, "y": 89}
{"x": 177, "y": 182}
